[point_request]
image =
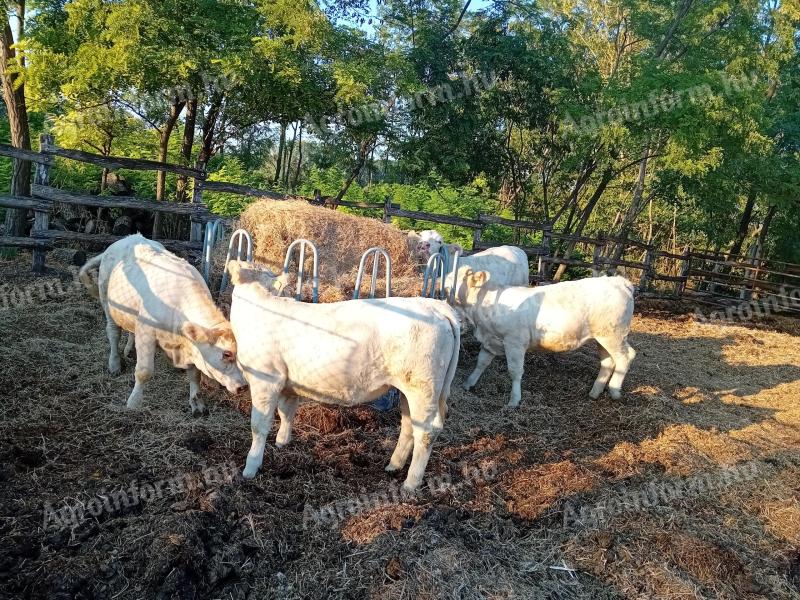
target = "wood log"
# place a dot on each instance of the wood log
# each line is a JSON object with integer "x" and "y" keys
{"x": 69, "y": 256}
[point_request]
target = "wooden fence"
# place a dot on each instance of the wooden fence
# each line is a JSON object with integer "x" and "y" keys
{"x": 713, "y": 278}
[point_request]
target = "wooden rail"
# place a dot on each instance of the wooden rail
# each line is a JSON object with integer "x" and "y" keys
{"x": 698, "y": 274}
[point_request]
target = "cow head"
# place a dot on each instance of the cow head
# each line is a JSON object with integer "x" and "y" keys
{"x": 243, "y": 272}
{"x": 213, "y": 351}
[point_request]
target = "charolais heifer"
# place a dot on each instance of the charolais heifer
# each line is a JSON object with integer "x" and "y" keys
{"x": 558, "y": 318}
{"x": 505, "y": 266}
{"x": 163, "y": 301}
{"x": 344, "y": 353}
{"x": 426, "y": 243}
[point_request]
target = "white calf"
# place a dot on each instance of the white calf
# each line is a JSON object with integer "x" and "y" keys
{"x": 345, "y": 353}
{"x": 164, "y": 301}
{"x": 558, "y": 318}
{"x": 505, "y": 265}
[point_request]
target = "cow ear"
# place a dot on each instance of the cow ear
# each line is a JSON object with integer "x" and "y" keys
{"x": 196, "y": 333}
{"x": 469, "y": 277}
{"x": 480, "y": 278}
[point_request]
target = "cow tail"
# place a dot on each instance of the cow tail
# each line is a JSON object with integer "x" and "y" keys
{"x": 455, "y": 326}
{"x": 87, "y": 279}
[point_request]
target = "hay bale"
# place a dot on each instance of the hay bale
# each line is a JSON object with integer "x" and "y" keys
{"x": 341, "y": 240}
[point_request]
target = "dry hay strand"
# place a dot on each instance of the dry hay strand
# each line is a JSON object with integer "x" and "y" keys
{"x": 341, "y": 239}
{"x": 532, "y": 491}
{"x": 363, "y": 529}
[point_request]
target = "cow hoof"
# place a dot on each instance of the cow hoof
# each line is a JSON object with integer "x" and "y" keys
{"x": 282, "y": 443}
{"x": 115, "y": 368}
{"x": 249, "y": 474}
{"x": 199, "y": 412}
{"x": 615, "y": 394}
{"x": 390, "y": 468}
{"x": 594, "y": 395}
{"x": 467, "y": 388}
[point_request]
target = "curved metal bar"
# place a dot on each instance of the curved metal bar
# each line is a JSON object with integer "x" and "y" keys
{"x": 315, "y": 273}
{"x": 436, "y": 268}
{"x": 243, "y": 236}
{"x": 376, "y": 252}
{"x": 451, "y": 296}
{"x": 212, "y": 234}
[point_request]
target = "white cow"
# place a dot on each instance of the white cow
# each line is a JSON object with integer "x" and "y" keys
{"x": 505, "y": 265}
{"x": 426, "y": 243}
{"x": 558, "y": 317}
{"x": 344, "y": 353}
{"x": 164, "y": 301}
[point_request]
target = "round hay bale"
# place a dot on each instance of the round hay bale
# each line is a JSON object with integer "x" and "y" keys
{"x": 340, "y": 238}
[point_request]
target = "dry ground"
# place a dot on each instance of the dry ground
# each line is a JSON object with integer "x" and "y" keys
{"x": 699, "y": 398}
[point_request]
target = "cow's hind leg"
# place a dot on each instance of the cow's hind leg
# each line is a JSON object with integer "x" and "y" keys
{"x": 485, "y": 358}
{"x": 623, "y": 354}
{"x": 515, "y": 357}
{"x": 606, "y": 370}
{"x": 145, "y": 363}
{"x": 129, "y": 345}
{"x": 113, "y": 332}
{"x": 197, "y": 405}
{"x": 265, "y": 400}
{"x": 426, "y": 424}
{"x": 405, "y": 442}
{"x": 287, "y": 407}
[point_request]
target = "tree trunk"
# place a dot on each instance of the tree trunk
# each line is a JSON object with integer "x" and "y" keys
{"x": 14, "y": 97}
{"x": 762, "y": 235}
{"x": 163, "y": 148}
{"x": 363, "y": 151}
{"x": 744, "y": 225}
{"x": 279, "y": 162}
{"x": 606, "y": 178}
{"x": 299, "y": 157}
{"x": 186, "y": 146}
{"x": 209, "y": 126}
{"x": 288, "y": 165}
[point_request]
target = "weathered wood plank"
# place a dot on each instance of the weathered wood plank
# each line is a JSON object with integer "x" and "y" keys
{"x": 64, "y": 197}
{"x": 244, "y": 190}
{"x": 31, "y": 155}
{"x": 105, "y": 240}
{"x": 25, "y": 242}
{"x": 121, "y": 162}
{"x": 446, "y": 219}
{"x": 26, "y": 203}
{"x": 492, "y": 219}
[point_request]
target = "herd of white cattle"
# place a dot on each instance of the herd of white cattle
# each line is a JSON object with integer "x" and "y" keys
{"x": 351, "y": 352}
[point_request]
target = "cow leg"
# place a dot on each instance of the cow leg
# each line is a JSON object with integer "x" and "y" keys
{"x": 425, "y": 426}
{"x": 606, "y": 370}
{"x": 113, "y": 332}
{"x": 485, "y": 358}
{"x": 405, "y": 442}
{"x": 286, "y": 409}
{"x": 129, "y": 345}
{"x": 623, "y": 354}
{"x": 265, "y": 400}
{"x": 515, "y": 358}
{"x": 145, "y": 363}
{"x": 198, "y": 407}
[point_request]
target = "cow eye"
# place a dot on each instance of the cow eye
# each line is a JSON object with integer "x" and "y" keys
{"x": 227, "y": 355}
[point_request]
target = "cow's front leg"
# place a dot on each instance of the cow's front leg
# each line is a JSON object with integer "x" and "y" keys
{"x": 113, "y": 332}
{"x": 485, "y": 358}
{"x": 198, "y": 407}
{"x": 265, "y": 401}
{"x": 287, "y": 407}
{"x": 145, "y": 363}
{"x": 405, "y": 441}
{"x": 515, "y": 357}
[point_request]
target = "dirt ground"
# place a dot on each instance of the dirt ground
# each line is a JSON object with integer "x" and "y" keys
{"x": 524, "y": 515}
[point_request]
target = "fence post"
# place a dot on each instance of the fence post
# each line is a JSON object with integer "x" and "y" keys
{"x": 476, "y": 237}
{"x": 196, "y": 231}
{"x": 387, "y": 210}
{"x": 597, "y": 257}
{"x": 547, "y": 237}
{"x": 644, "y": 280}
{"x": 41, "y": 220}
{"x": 686, "y": 265}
